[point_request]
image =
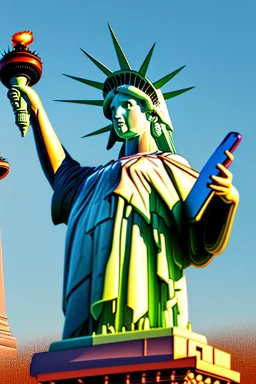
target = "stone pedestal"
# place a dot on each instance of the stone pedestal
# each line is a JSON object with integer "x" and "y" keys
{"x": 166, "y": 355}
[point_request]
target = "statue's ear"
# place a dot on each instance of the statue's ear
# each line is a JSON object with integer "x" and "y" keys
{"x": 152, "y": 117}
{"x": 113, "y": 138}
{"x": 149, "y": 116}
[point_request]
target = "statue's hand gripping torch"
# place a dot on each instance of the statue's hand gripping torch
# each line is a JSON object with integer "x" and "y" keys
{"x": 20, "y": 67}
{"x": 20, "y": 107}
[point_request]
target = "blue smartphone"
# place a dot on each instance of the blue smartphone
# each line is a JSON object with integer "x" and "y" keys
{"x": 201, "y": 193}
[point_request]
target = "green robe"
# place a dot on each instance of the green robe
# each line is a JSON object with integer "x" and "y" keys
{"x": 128, "y": 242}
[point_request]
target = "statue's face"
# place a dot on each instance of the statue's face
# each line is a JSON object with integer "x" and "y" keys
{"x": 129, "y": 119}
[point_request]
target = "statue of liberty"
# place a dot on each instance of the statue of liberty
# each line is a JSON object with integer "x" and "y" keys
{"x": 128, "y": 237}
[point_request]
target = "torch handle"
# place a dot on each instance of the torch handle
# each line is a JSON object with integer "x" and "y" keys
{"x": 20, "y": 106}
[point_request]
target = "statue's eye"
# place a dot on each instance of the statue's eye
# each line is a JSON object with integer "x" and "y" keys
{"x": 127, "y": 104}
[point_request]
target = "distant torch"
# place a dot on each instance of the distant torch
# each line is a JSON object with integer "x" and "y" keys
{"x": 4, "y": 167}
{"x": 21, "y": 67}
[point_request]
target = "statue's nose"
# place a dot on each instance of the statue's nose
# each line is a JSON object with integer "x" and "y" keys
{"x": 118, "y": 113}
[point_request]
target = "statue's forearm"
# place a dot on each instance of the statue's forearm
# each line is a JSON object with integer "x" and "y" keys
{"x": 209, "y": 236}
{"x": 49, "y": 148}
{"x": 221, "y": 215}
{"x": 53, "y": 147}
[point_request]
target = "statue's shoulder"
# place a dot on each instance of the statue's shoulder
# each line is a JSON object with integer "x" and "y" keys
{"x": 179, "y": 162}
{"x": 178, "y": 158}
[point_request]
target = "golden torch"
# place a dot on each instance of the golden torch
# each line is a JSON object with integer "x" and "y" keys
{"x": 20, "y": 67}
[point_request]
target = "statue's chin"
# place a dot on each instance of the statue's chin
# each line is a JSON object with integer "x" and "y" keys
{"x": 123, "y": 129}
{"x": 124, "y": 133}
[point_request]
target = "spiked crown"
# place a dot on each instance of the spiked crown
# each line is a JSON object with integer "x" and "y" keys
{"x": 129, "y": 81}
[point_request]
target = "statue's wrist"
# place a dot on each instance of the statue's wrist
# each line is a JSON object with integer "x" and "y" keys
{"x": 232, "y": 197}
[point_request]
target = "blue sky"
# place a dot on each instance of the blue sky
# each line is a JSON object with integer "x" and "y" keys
{"x": 216, "y": 42}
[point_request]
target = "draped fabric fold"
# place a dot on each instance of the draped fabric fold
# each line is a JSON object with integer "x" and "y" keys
{"x": 128, "y": 243}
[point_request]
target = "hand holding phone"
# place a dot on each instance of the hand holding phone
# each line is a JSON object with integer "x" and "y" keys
{"x": 201, "y": 192}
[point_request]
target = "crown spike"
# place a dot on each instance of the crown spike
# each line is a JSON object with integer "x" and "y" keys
{"x": 172, "y": 94}
{"x": 101, "y": 66}
{"x": 99, "y": 131}
{"x": 144, "y": 67}
{"x": 123, "y": 62}
{"x": 160, "y": 83}
{"x": 92, "y": 83}
{"x": 97, "y": 103}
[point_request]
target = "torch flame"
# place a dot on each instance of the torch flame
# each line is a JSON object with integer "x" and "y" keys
{"x": 22, "y": 38}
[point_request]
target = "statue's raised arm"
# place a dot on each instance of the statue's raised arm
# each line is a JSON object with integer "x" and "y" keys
{"x": 19, "y": 70}
{"x": 49, "y": 148}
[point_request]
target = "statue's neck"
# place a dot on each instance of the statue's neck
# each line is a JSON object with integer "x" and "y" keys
{"x": 140, "y": 144}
